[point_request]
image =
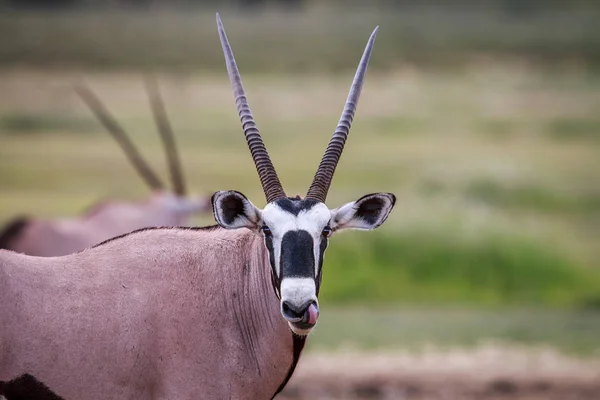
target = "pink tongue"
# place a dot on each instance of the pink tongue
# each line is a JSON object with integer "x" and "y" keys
{"x": 313, "y": 314}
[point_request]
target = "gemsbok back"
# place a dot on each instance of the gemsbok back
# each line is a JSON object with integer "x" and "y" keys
{"x": 220, "y": 312}
{"x": 164, "y": 207}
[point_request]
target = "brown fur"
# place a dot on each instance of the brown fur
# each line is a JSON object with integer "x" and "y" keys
{"x": 107, "y": 219}
{"x": 157, "y": 314}
{"x": 51, "y": 238}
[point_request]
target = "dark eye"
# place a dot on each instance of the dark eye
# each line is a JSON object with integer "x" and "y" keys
{"x": 326, "y": 231}
{"x": 266, "y": 230}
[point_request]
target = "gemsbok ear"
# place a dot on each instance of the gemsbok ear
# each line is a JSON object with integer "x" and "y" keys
{"x": 232, "y": 210}
{"x": 366, "y": 213}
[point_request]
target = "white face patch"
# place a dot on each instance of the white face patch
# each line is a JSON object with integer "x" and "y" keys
{"x": 298, "y": 291}
{"x": 280, "y": 221}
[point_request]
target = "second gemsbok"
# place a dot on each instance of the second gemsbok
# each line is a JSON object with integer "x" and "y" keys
{"x": 164, "y": 207}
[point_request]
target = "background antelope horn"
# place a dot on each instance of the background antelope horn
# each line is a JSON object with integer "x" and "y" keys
{"x": 117, "y": 132}
{"x": 166, "y": 134}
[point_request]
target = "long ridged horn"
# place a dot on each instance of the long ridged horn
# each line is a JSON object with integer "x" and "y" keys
{"x": 117, "y": 132}
{"x": 266, "y": 172}
{"x": 322, "y": 180}
{"x": 166, "y": 134}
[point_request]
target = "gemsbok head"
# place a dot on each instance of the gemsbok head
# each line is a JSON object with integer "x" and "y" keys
{"x": 185, "y": 313}
{"x": 296, "y": 230}
{"x": 164, "y": 206}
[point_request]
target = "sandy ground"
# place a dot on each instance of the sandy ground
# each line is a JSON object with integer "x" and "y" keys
{"x": 484, "y": 373}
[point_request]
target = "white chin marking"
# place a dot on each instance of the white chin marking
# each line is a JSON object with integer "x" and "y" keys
{"x": 300, "y": 332}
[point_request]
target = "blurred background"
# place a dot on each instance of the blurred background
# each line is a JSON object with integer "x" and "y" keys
{"x": 483, "y": 117}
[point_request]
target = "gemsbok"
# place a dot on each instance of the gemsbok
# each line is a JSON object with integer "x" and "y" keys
{"x": 58, "y": 237}
{"x": 220, "y": 312}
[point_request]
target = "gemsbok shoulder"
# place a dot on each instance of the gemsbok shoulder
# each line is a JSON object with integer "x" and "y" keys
{"x": 164, "y": 207}
{"x": 220, "y": 312}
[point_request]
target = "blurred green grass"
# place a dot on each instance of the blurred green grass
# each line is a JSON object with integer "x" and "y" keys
{"x": 418, "y": 329}
{"x": 17, "y": 123}
{"x": 445, "y": 265}
{"x": 484, "y": 217}
{"x": 320, "y": 38}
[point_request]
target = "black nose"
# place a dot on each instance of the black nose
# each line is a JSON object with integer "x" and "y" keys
{"x": 294, "y": 313}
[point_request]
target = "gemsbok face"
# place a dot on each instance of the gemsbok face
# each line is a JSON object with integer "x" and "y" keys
{"x": 296, "y": 231}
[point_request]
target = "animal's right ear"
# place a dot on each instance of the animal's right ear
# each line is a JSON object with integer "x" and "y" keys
{"x": 233, "y": 210}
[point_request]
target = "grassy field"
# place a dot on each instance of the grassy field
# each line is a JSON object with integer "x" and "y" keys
{"x": 423, "y": 328}
{"x": 486, "y": 126}
{"x": 496, "y": 169}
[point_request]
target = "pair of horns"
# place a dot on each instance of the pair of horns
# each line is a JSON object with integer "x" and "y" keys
{"x": 268, "y": 177}
{"x": 134, "y": 156}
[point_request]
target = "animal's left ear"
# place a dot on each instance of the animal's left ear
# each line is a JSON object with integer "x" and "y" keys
{"x": 368, "y": 212}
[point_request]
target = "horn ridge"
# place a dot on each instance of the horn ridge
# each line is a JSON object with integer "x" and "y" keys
{"x": 266, "y": 171}
{"x": 322, "y": 181}
{"x": 165, "y": 132}
{"x": 118, "y": 133}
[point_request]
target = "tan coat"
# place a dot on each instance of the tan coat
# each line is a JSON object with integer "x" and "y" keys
{"x": 59, "y": 237}
{"x": 157, "y": 314}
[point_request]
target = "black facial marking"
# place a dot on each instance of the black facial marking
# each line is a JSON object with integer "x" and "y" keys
{"x": 322, "y": 248}
{"x": 276, "y": 282}
{"x": 295, "y": 205}
{"x": 26, "y": 387}
{"x": 12, "y": 231}
{"x": 297, "y": 255}
{"x": 370, "y": 210}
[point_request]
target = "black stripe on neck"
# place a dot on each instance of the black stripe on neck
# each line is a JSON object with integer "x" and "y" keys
{"x": 299, "y": 342}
